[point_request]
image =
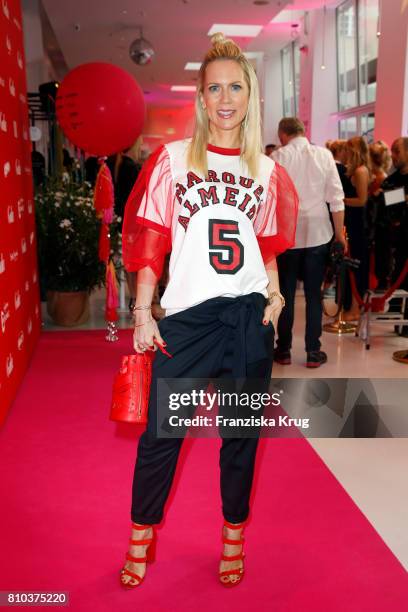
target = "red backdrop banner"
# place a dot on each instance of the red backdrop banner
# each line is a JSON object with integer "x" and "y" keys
{"x": 20, "y": 319}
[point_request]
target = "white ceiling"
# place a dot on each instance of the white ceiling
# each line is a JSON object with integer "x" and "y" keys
{"x": 177, "y": 29}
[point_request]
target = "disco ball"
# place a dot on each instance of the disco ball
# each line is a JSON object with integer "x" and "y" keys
{"x": 141, "y": 52}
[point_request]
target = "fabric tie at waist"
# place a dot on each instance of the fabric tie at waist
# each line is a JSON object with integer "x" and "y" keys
{"x": 244, "y": 314}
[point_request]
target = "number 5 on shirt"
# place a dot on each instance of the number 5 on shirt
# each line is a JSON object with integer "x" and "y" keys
{"x": 226, "y": 252}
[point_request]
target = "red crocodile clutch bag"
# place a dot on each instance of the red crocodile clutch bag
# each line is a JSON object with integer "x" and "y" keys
{"x": 131, "y": 387}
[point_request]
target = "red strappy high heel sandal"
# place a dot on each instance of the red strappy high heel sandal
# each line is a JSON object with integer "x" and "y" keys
{"x": 239, "y": 557}
{"x": 148, "y": 558}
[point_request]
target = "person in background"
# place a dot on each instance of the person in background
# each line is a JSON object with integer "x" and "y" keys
{"x": 316, "y": 179}
{"x": 125, "y": 172}
{"x": 338, "y": 149}
{"x": 380, "y": 157}
{"x": 359, "y": 172}
{"x": 380, "y": 164}
{"x": 393, "y": 220}
{"x": 270, "y": 148}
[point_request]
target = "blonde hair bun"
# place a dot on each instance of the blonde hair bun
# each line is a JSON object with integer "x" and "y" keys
{"x": 222, "y": 46}
{"x": 218, "y": 39}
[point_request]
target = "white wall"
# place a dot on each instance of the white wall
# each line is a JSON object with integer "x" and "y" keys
{"x": 36, "y": 66}
{"x": 391, "y": 109}
{"x": 272, "y": 96}
{"x": 324, "y": 126}
{"x": 318, "y": 88}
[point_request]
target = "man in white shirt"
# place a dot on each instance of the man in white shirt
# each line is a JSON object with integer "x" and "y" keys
{"x": 314, "y": 173}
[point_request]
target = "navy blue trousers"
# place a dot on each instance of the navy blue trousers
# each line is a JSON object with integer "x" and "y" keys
{"x": 311, "y": 261}
{"x": 220, "y": 338}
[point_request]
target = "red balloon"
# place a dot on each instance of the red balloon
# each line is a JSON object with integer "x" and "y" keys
{"x": 100, "y": 108}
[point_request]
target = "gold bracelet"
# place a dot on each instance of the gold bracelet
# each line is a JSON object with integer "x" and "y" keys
{"x": 143, "y": 307}
{"x": 276, "y": 294}
{"x": 141, "y": 324}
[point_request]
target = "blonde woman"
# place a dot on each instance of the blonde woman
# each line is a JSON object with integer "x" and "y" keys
{"x": 224, "y": 210}
{"x": 380, "y": 157}
{"x": 360, "y": 174}
{"x": 338, "y": 149}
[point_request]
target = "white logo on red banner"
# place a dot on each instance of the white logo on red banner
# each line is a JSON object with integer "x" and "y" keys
{"x": 10, "y": 214}
{"x": 4, "y": 315}
{"x": 23, "y": 245}
{"x": 14, "y": 256}
{"x": 31, "y": 237}
{"x": 9, "y": 365}
{"x": 27, "y": 286}
{"x": 20, "y": 208}
{"x": 12, "y": 87}
{"x": 29, "y": 326}
{"x": 17, "y": 300}
{"x": 7, "y": 169}
{"x": 19, "y": 60}
{"x": 15, "y": 129}
{"x": 20, "y": 340}
{"x": 3, "y": 122}
{"x": 6, "y": 9}
{"x": 17, "y": 166}
{"x": 2, "y": 264}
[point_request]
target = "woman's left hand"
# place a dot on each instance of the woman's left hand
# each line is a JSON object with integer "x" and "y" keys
{"x": 272, "y": 312}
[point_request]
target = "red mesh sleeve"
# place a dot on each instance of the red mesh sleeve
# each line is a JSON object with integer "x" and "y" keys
{"x": 275, "y": 224}
{"x": 146, "y": 236}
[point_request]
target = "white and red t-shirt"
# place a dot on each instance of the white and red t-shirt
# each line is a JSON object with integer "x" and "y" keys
{"x": 220, "y": 228}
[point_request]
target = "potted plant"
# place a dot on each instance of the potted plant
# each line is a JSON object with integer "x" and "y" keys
{"x": 68, "y": 238}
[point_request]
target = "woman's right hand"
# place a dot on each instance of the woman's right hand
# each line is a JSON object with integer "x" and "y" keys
{"x": 146, "y": 331}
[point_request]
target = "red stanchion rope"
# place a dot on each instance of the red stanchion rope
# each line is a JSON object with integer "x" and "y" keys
{"x": 377, "y": 303}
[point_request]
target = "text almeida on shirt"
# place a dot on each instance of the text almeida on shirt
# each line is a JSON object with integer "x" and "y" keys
{"x": 214, "y": 195}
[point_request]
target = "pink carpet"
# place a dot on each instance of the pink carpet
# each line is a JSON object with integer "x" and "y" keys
{"x": 65, "y": 489}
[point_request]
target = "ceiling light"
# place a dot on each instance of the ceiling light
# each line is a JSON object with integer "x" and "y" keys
{"x": 230, "y": 29}
{"x": 253, "y": 54}
{"x": 182, "y": 88}
{"x": 192, "y": 66}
